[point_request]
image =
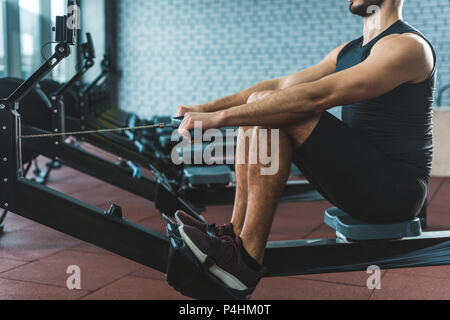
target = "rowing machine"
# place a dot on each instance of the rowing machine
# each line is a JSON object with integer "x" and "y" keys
{"x": 72, "y": 217}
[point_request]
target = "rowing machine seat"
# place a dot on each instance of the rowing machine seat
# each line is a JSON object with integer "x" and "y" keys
{"x": 350, "y": 228}
{"x": 210, "y": 175}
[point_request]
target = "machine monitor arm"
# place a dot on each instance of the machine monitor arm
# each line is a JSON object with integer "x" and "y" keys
{"x": 66, "y": 36}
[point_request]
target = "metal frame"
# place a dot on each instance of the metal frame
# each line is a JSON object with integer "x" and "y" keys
{"x": 111, "y": 28}
{"x": 336, "y": 255}
{"x": 58, "y": 211}
{"x": 90, "y": 224}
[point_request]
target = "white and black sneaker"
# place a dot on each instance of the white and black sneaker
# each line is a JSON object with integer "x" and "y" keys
{"x": 226, "y": 258}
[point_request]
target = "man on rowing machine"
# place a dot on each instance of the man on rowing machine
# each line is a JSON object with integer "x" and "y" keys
{"x": 374, "y": 164}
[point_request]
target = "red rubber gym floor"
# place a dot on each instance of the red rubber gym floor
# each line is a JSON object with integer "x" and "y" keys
{"x": 34, "y": 259}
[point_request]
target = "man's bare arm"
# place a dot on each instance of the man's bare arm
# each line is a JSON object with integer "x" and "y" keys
{"x": 326, "y": 67}
{"x": 394, "y": 60}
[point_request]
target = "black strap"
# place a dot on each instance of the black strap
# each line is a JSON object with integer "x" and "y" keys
{"x": 213, "y": 253}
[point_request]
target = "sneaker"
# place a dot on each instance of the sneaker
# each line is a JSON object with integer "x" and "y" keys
{"x": 183, "y": 219}
{"x": 225, "y": 258}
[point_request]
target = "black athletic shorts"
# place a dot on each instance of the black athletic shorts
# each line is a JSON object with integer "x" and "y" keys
{"x": 356, "y": 177}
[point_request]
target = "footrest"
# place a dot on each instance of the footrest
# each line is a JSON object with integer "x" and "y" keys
{"x": 353, "y": 229}
{"x": 208, "y": 175}
{"x": 186, "y": 275}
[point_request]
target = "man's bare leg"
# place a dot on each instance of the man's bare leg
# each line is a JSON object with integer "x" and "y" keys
{"x": 244, "y": 140}
{"x": 264, "y": 192}
{"x": 241, "y": 168}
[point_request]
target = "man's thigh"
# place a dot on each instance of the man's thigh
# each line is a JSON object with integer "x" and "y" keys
{"x": 355, "y": 176}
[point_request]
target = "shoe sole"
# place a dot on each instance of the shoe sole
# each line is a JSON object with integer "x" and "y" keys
{"x": 227, "y": 278}
{"x": 179, "y": 222}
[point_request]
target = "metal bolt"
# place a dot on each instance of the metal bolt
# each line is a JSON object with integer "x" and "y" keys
{"x": 56, "y": 130}
{"x": 55, "y": 110}
{"x": 2, "y": 106}
{"x": 6, "y": 205}
{"x": 5, "y": 159}
{"x": 4, "y": 127}
{"x": 5, "y": 180}
{"x": 61, "y": 49}
{"x": 53, "y": 97}
{"x": 56, "y": 143}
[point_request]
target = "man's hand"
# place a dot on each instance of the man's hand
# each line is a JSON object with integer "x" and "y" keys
{"x": 206, "y": 120}
{"x": 210, "y": 120}
{"x": 182, "y": 110}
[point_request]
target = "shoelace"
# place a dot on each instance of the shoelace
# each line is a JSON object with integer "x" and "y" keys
{"x": 229, "y": 241}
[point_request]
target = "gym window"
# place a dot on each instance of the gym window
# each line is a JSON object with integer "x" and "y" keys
{"x": 29, "y": 23}
{"x": 2, "y": 41}
{"x": 65, "y": 70}
{"x": 30, "y": 41}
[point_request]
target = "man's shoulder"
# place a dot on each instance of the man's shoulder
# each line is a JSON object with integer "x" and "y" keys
{"x": 409, "y": 42}
{"x": 409, "y": 49}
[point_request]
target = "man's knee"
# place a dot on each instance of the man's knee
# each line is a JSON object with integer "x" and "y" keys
{"x": 298, "y": 133}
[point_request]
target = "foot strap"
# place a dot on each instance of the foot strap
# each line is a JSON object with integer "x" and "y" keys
{"x": 213, "y": 253}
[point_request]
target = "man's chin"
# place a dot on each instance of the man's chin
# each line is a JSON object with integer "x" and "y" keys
{"x": 362, "y": 9}
{"x": 358, "y": 10}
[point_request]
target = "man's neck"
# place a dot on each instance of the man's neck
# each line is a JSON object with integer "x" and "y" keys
{"x": 378, "y": 23}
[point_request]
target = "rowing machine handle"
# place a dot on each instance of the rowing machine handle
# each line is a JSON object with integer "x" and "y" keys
{"x": 176, "y": 122}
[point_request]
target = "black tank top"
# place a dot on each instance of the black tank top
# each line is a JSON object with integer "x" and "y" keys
{"x": 400, "y": 122}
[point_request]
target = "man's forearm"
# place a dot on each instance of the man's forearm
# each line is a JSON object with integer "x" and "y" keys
{"x": 239, "y": 98}
{"x": 282, "y": 108}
